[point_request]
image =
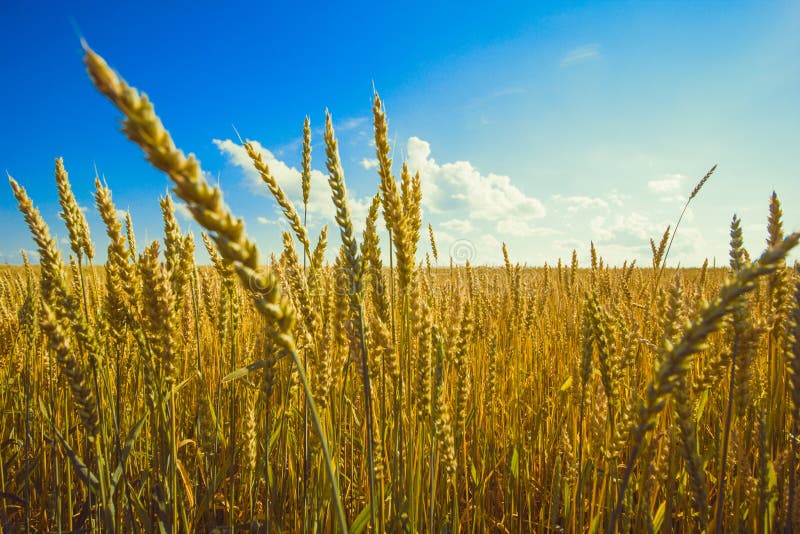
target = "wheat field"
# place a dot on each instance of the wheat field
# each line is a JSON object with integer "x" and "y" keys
{"x": 290, "y": 394}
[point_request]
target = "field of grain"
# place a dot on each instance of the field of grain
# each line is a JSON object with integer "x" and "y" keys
{"x": 422, "y": 395}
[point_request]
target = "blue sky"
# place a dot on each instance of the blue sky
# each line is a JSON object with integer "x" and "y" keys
{"x": 542, "y": 125}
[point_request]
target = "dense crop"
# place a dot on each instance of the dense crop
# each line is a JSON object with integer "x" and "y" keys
{"x": 154, "y": 394}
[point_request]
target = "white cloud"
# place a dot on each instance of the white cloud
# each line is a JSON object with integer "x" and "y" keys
{"x": 369, "y": 163}
{"x": 320, "y": 205}
{"x": 689, "y": 246}
{"x": 631, "y": 225}
{"x": 264, "y": 220}
{"x": 616, "y": 198}
{"x": 582, "y": 53}
{"x": 460, "y": 188}
{"x": 517, "y": 227}
{"x": 577, "y": 203}
{"x": 479, "y": 248}
{"x": 489, "y": 250}
{"x": 459, "y": 226}
{"x": 566, "y": 246}
{"x": 599, "y": 229}
{"x": 669, "y": 184}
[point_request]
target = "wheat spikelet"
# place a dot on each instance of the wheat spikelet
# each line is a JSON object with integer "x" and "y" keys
{"x": 173, "y": 248}
{"x": 76, "y": 275}
{"x": 587, "y": 340}
{"x": 393, "y": 209}
{"x": 422, "y": 383}
{"x": 602, "y": 335}
{"x": 158, "y": 308}
{"x": 778, "y": 284}
{"x": 443, "y": 430}
{"x": 85, "y": 401}
{"x": 411, "y": 200}
{"x": 79, "y": 240}
{"x": 658, "y": 251}
{"x": 300, "y": 291}
{"x": 371, "y": 254}
{"x": 433, "y": 244}
{"x": 187, "y": 255}
{"x": 129, "y": 233}
{"x": 326, "y": 360}
{"x": 701, "y": 282}
{"x": 280, "y": 197}
{"x": 250, "y": 449}
{"x": 370, "y": 244}
{"x": 306, "y": 174}
{"x": 317, "y": 262}
{"x": 26, "y": 316}
{"x": 461, "y": 364}
{"x": 122, "y": 271}
{"x": 52, "y": 270}
{"x": 339, "y": 197}
{"x": 702, "y": 182}
{"x": 573, "y": 269}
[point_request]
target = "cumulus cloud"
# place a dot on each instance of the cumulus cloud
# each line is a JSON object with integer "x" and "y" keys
{"x": 617, "y": 199}
{"x": 580, "y": 54}
{"x": 459, "y": 226}
{"x": 480, "y": 248}
{"x": 320, "y": 206}
{"x": 459, "y": 187}
{"x": 631, "y": 225}
{"x": 689, "y": 246}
